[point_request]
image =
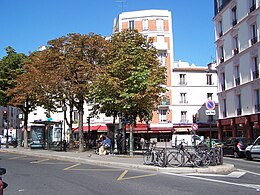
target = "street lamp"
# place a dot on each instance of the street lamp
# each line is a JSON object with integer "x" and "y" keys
{"x": 64, "y": 109}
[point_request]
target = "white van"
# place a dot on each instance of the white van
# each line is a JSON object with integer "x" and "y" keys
{"x": 187, "y": 140}
{"x": 253, "y": 151}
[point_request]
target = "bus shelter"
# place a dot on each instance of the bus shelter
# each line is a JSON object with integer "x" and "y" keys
{"x": 46, "y": 135}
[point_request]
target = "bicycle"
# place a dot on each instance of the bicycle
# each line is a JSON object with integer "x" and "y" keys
{"x": 174, "y": 159}
{"x": 153, "y": 156}
{"x": 195, "y": 158}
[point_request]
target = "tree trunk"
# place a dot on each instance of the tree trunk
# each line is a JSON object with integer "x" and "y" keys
{"x": 81, "y": 113}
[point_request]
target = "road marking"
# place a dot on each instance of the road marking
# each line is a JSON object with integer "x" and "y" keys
{"x": 95, "y": 170}
{"x": 122, "y": 176}
{"x": 235, "y": 174}
{"x": 39, "y": 161}
{"x": 17, "y": 157}
{"x": 250, "y": 172}
{"x": 254, "y": 186}
{"x": 70, "y": 167}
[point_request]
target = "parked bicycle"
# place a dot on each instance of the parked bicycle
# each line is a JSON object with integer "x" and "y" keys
{"x": 153, "y": 156}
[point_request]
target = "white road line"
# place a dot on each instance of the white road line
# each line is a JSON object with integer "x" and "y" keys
{"x": 249, "y": 172}
{"x": 234, "y": 174}
{"x": 39, "y": 161}
{"x": 254, "y": 186}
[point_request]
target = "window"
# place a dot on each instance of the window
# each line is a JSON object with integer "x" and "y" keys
{"x": 220, "y": 28}
{"x": 254, "y": 34}
{"x": 183, "y": 98}
{"x": 221, "y": 54}
{"x": 209, "y": 79}
{"x": 159, "y": 24}
{"x": 182, "y": 79}
{"x": 162, "y": 116}
{"x": 255, "y": 68}
{"x": 257, "y": 100}
{"x": 223, "y": 80}
{"x": 145, "y": 24}
{"x": 76, "y": 116}
{"x": 131, "y": 25}
{"x": 160, "y": 39}
{"x": 238, "y": 103}
{"x": 252, "y": 5}
{"x": 183, "y": 116}
{"x": 237, "y": 76}
{"x": 209, "y": 96}
{"x": 146, "y": 38}
{"x": 235, "y": 43}
{"x": 224, "y": 108}
{"x": 234, "y": 15}
{"x": 161, "y": 58}
{"x": 220, "y": 5}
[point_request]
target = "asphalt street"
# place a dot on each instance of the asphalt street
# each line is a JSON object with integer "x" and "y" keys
{"x": 33, "y": 175}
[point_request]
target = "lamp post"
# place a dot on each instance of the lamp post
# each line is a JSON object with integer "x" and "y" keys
{"x": 64, "y": 109}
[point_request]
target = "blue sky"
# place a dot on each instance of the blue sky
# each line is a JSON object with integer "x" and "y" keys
{"x": 27, "y": 24}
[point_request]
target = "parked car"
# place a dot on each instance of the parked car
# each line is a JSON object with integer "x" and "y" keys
{"x": 235, "y": 146}
{"x": 253, "y": 151}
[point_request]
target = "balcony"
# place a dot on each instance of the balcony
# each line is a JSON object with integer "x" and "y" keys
{"x": 235, "y": 51}
{"x": 237, "y": 81}
{"x": 184, "y": 121}
{"x": 253, "y": 40}
{"x": 165, "y": 102}
{"x": 221, "y": 59}
{"x": 257, "y": 107}
{"x": 183, "y": 102}
{"x": 256, "y": 74}
{"x": 252, "y": 8}
{"x": 239, "y": 111}
{"x": 234, "y": 22}
{"x": 182, "y": 83}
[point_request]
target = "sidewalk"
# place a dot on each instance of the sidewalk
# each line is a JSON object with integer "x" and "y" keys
{"x": 122, "y": 161}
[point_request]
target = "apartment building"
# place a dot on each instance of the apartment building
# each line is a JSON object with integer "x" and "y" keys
{"x": 156, "y": 24}
{"x": 237, "y": 49}
{"x": 192, "y": 87}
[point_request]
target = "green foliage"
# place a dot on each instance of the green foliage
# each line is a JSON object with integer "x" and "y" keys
{"x": 11, "y": 66}
{"x": 131, "y": 82}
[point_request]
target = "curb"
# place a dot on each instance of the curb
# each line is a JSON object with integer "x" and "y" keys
{"x": 179, "y": 170}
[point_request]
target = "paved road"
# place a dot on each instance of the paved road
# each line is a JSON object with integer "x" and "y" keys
{"x": 37, "y": 175}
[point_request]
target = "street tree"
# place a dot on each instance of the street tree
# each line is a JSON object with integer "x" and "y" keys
{"x": 132, "y": 82}
{"x": 11, "y": 66}
{"x": 68, "y": 66}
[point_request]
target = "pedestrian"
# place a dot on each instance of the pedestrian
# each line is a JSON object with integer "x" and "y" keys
{"x": 142, "y": 142}
{"x": 106, "y": 144}
{"x": 64, "y": 145}
{"x": 119, "y": 139}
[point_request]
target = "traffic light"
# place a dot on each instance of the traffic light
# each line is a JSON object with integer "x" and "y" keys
{"x": 4, "y": 114}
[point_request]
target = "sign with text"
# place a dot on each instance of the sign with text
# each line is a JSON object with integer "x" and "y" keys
{"x": 210, "y": 112}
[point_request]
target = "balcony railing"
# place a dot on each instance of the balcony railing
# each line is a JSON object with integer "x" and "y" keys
{"x": 183, "y": 102}
{"x": 184, "y": 121}
{"x": 234, "y": 22}
{"x": 221, "y": 59}
{"x": 182, "y": 83}
{"x": 239, "y": 111}
{"x": 210, "y": 83}
{"x": 252, "y": 8}
{"x": 255, "y": 74}
{"x": 257, "y": 107}
{"x": 236, "y": 51}
{"x": 237, "y": 80}
{"x": 253, "y": 40}
{"x": 165, "y": 102}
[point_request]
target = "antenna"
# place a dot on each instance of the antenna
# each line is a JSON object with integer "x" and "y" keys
{"x": 122, "y": 6}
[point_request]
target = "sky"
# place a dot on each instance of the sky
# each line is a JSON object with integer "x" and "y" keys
{"x": 27, "y": 24}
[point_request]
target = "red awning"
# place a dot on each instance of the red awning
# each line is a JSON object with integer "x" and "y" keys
{"x": 161, "y": 129}
{"x": 99, "y": 128}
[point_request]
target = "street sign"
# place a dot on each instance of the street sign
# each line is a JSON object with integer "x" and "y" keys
{"x": 210, "y": 105}
{"x": 194, "y": 126}
{"x": 210, "y": 112}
